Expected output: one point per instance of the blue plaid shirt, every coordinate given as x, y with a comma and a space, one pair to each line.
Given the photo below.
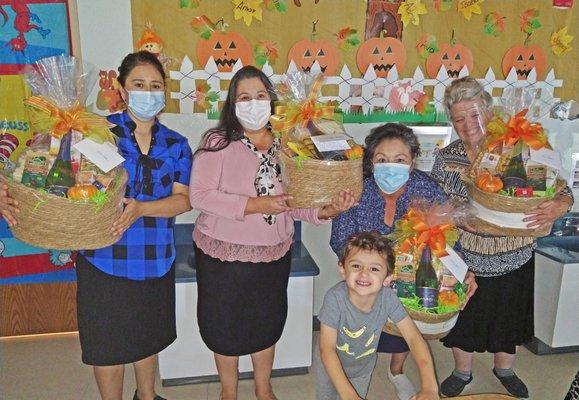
147, 248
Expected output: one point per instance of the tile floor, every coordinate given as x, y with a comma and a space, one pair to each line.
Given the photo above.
49, 368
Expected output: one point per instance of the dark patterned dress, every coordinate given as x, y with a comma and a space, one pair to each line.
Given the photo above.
499, 316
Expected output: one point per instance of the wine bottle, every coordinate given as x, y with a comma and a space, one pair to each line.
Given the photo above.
515, 175
426, 281
60, 177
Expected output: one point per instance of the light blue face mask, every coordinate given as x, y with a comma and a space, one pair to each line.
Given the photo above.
146, 105
391, 176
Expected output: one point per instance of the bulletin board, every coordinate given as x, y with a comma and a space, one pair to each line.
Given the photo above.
417, 34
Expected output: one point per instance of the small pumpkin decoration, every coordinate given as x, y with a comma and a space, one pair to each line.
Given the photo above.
382, 53
453, 56
305, 52
226, 47
489, 183
354, 153
81, 192
523, 59
448, 298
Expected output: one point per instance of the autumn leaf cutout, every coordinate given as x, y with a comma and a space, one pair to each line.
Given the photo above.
203, 25
411, 10
469, 7
203, 96
529, 21
427, 45
560, 41
494, 24
276, 5
189, 3
265, 51
247, 10
442, 5
347, 38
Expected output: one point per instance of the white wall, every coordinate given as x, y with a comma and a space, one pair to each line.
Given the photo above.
106, 37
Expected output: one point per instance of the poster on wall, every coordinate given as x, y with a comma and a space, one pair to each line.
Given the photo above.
31, 30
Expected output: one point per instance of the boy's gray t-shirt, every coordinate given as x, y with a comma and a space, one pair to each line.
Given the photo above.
359, 332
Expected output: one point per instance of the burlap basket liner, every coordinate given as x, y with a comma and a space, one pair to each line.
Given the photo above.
313, 183
54, 222
509, 204
427, 318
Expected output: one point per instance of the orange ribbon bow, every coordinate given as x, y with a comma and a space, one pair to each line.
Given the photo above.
517, 128
424, 235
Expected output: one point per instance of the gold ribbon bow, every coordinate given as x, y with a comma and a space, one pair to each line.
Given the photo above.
516, 129
417, 233
290, 115
47, 117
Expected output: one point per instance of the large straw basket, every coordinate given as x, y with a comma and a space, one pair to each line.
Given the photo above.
313, 183
53, 222
502, 215
432, 326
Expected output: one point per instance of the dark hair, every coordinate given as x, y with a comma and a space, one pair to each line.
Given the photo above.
134, 60
370, 241
388, 132
229, 129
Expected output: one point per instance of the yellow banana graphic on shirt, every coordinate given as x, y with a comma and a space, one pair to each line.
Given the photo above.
369, 342
354, 335
366, 353
345, 348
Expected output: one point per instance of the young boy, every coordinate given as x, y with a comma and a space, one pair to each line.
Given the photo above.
352, 317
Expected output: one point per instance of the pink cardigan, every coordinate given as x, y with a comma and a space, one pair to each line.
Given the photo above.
221, 183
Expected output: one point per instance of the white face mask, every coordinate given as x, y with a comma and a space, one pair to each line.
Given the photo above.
146, 105
253, 115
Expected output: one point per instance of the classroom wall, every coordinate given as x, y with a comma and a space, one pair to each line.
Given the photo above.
105, 32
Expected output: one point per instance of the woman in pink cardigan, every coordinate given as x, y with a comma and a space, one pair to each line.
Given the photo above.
244, 234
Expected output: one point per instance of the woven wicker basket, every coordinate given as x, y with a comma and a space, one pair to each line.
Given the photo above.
508, 204
53, 222
445, 323
313, 183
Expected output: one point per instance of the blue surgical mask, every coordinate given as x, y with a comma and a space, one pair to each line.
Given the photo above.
391, 176
146, 105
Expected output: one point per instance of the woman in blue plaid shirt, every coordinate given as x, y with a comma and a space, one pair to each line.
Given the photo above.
126, 292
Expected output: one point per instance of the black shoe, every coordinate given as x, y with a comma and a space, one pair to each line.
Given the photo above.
514, 385
453, 385
135, 397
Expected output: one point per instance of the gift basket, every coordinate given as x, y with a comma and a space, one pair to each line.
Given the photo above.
515, 170
428, 274
317, 158
65, 200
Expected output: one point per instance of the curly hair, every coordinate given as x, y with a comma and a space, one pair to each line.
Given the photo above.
466, 89
370, 241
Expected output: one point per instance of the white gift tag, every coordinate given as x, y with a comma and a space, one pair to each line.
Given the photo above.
547, 157
331, 142
455, 264
103, 155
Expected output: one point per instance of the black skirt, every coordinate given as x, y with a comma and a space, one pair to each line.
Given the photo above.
499, 316
121, 320
241, 306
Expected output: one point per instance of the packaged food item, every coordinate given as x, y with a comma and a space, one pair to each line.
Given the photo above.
36, 165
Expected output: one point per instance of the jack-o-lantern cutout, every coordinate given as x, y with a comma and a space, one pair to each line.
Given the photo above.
226, 48
304, 53
524, 58
453, 56
383, 54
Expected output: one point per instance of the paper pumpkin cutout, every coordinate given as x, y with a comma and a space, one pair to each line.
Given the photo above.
225, 48
382, 54
453, 56
524, 58
305, 52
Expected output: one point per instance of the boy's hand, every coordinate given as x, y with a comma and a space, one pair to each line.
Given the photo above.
426, 395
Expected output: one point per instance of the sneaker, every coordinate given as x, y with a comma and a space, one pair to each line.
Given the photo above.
404, 388
135, 397
514, 385
453, 385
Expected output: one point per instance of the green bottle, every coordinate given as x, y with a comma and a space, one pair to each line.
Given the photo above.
515, 175
60, 177
426, 281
